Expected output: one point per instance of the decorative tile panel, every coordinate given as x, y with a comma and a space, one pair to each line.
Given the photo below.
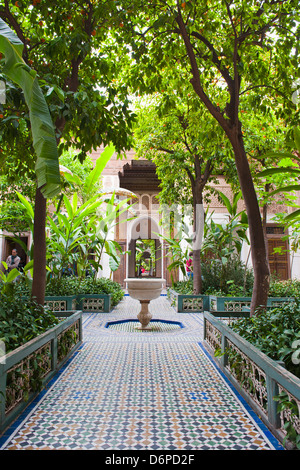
190, 304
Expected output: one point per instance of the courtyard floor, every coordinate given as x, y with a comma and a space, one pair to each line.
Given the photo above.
130, 390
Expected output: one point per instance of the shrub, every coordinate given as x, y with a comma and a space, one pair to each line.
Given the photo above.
21, 321
183, 287
73, 286
233, 278
289, 288
277, 334
102, 286
274, 332
238, 280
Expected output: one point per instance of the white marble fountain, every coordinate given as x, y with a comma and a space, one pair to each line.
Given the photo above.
144, 290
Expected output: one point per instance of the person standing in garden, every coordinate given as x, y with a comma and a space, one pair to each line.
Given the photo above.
13, 260
189, 266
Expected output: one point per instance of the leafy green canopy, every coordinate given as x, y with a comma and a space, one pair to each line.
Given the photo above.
44, 142
252, 42
176, 132
70, 45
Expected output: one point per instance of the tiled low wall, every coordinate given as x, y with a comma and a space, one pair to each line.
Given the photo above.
85, 302
185, 303
188, 303
27, 369
257, 377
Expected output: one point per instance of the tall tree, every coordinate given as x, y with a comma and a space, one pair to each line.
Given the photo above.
234, 47
42, 130
180, 137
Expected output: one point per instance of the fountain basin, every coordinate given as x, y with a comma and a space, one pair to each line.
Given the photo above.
145, 288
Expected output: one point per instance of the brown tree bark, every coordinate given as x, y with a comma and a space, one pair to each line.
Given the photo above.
39, 249
258, 246
232, 127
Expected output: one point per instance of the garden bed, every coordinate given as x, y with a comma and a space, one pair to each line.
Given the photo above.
188, 303
27, 369
61, 303
71, 293
74, 286
271, 390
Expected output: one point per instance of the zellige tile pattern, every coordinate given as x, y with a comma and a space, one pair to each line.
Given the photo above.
133, 390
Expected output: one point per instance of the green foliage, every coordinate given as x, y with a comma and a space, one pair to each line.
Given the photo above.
79, 237
66, 342
288, 288
79, 231
225, 239
8, 277
178, 256
69, 161
72, 285
13, 180
286, 404
229, 279
44, 141
72, 51
289, 170
235, 280
274, 332
183, 287
90, 184
22, 320
185, 153
68, 243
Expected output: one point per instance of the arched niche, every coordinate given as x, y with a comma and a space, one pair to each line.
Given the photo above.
145, 248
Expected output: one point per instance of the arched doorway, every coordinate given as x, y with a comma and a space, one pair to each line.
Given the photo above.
145, 247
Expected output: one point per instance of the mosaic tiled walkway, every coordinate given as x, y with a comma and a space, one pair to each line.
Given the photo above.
132, 390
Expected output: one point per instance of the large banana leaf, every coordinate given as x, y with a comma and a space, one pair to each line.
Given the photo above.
99, 167
43, 134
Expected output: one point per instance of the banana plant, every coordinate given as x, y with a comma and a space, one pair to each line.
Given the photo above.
6, 280
10, 276
82, 231
176, 252
67, 240
110, 218
90, 185
44, 142
224, 239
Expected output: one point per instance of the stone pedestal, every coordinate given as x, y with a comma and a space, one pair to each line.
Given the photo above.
144, 316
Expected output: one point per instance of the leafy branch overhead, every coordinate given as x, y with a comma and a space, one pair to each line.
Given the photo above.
44, 141
292, 171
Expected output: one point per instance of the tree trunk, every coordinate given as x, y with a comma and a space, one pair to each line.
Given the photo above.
258, 246
39, 249
197, 242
